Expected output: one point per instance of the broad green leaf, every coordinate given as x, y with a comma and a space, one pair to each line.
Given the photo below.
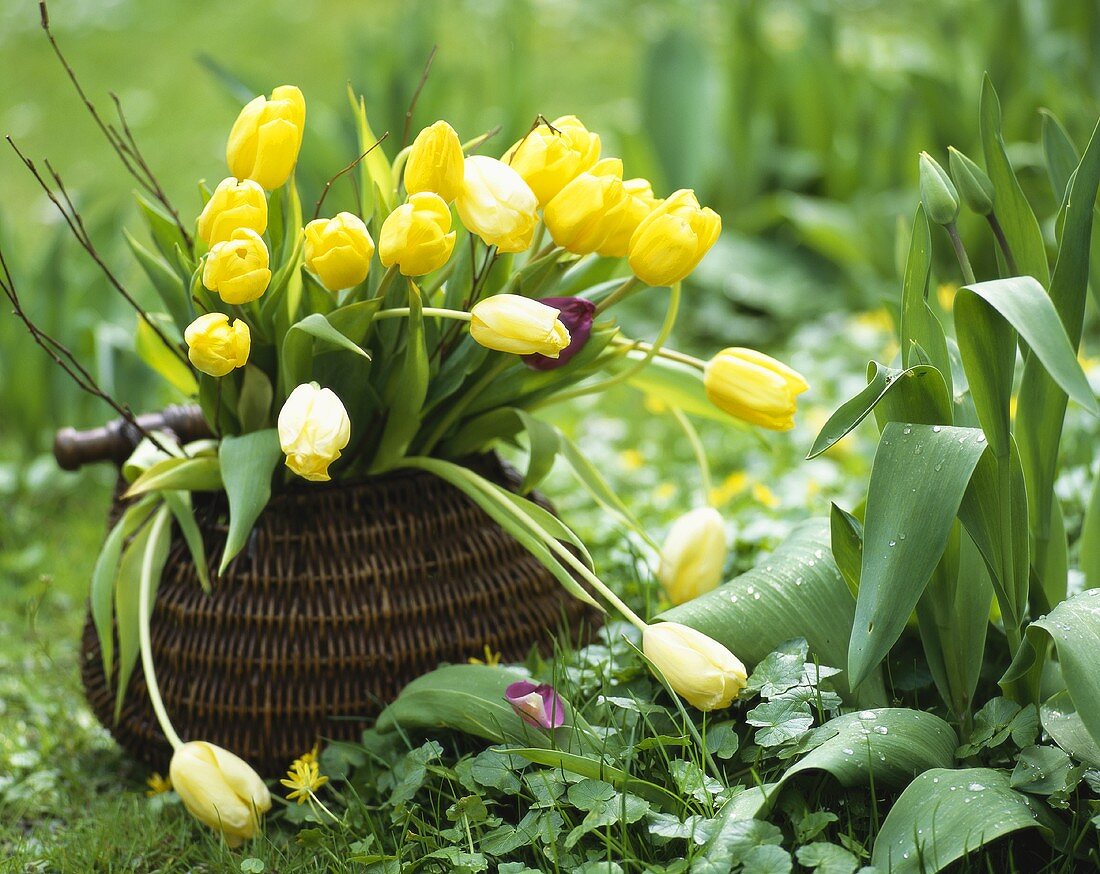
1042, 406
354, 320
200, 474
987, 344
406, 391
1060, 154
254, 401
180, 505
1025, 239
885, 746
247, 464
944, 815
543, 443
922, 392
300, 345
797, 591
1063, 723
918, 266
376, 180
167, 363
163, 228
171, 286
918, 480
846, 538
146, 554
1089, 546
1074, 626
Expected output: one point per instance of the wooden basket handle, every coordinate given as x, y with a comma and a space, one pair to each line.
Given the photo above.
116, 440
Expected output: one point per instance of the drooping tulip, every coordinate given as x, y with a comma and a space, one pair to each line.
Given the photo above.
576, 313
511, 323
754, 387
313, 430
220, 790
698, 668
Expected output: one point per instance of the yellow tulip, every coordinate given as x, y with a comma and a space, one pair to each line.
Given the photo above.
220, 790
510, 323
580, 216
670, 241
237, 268
435, 162
235, 203
313, 429
638, 202
548, 158
339, 250
496, 204
698, 668
214, 346
752, 386
414, 236
693, 555
265, 139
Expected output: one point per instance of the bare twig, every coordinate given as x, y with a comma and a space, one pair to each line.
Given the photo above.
65, 359
73, 219
124, 144
348, 168
540, 119
416, 96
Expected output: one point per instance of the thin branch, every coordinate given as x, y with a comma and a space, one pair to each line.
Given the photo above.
124, 144
348, 168
480, 140
416, 96
65, 359
540, 119
76, 224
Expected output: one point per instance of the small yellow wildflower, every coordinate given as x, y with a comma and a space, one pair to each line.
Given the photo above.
664, 491
304, 779
492, 659
763, 495
945, 293
631, 459
158, 785
730, 488
655, 405
310, 757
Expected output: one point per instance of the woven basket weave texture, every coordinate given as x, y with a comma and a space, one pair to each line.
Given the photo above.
342, 596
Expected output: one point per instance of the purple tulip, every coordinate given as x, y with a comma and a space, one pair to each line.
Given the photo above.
576, 314
537, 704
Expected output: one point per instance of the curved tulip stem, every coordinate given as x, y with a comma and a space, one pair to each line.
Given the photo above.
664, 352
960, 253
623, 291
692, 434
438, 312
145, 598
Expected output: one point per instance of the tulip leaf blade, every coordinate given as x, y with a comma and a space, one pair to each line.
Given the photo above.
169, 284
198, 474
846, 539
300, 345
1063, 723
919, 477
797, 591
945, 814
247, 463
406, 390
180, 505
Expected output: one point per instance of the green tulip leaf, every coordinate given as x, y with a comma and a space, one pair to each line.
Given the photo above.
1063, 723
248, 463
201, 474
944, 815
406, 390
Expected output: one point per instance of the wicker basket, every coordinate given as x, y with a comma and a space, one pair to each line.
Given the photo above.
342, 596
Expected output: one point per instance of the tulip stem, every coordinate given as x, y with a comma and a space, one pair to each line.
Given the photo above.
960, 253
697, 447
618, 294
439, 312
145, 644
670, 354
1002, 241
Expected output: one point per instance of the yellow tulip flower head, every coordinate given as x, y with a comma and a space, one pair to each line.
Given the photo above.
752, 386
551, 156
313, 429
580, 216
496, 204
511, 323
265, 138
219, 789
435, 162
670, 241
237, 268
235, 203
214, 346
638, 202
698, 668
415, 235
339, 250
693, 555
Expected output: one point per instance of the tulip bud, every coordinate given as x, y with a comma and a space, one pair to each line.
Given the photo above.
670, 241
510, 323
579, 216
937, 191
339, 250
220, 790
435, 162
214, 346
313, 428
496, 204
693, 555
234, 204
698, 668
754, 387
576, 314
638, 202
265, 139
551, 156
414, 236
536, 704
237, 268
973, 184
